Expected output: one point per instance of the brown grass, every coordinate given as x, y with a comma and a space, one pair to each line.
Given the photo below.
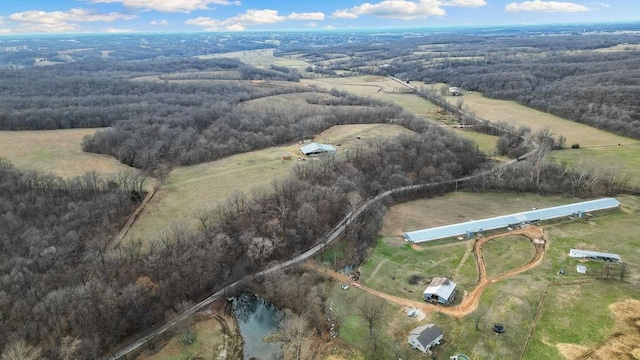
55, 151
518, 115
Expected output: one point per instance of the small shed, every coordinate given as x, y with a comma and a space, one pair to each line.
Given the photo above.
440, 290
581, 269
317, 149
424, 337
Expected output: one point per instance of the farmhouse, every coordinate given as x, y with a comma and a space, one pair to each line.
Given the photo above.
440, 290
424, 337
594, 255
315, 149
470, 228
454, 91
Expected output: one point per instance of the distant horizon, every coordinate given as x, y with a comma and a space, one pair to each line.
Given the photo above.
336, 30
37, 17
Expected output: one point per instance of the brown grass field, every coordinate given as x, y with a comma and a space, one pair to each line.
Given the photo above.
55, 151
189, 189
518, 115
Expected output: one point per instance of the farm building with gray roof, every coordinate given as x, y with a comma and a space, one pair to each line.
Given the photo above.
315, 149
440, 290
470, 228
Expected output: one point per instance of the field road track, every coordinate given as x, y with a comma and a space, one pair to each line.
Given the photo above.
470, 301
317, 248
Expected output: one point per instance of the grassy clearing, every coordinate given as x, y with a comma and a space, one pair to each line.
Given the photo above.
623, 158
486, 143
189, 189
507, 253
260, 58
389, 268
518, 115
56, 151
208, 344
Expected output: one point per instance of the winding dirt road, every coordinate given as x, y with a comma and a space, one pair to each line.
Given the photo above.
471, 299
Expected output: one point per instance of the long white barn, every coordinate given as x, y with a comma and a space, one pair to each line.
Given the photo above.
471, 228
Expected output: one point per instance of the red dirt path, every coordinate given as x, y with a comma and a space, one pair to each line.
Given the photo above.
470, 301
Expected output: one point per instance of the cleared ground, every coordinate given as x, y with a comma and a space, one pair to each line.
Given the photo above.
56, 151
260, 58
517, 115
189, 189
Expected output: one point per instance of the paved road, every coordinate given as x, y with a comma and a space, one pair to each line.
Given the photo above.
321, 244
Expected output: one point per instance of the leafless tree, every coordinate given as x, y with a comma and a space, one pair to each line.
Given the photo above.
295, 333
20, 350
371, 310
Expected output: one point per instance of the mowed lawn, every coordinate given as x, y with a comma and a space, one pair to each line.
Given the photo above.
56, 151
199, 187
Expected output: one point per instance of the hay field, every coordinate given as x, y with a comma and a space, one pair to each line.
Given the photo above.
260, 58
56, 151
518, 115
189, 189
379, 88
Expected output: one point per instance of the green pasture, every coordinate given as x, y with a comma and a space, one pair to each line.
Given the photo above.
389, 268
486, 143
507, 253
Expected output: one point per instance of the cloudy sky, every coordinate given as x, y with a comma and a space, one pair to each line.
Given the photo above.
47, 16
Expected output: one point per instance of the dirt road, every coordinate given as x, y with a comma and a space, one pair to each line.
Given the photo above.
471, 299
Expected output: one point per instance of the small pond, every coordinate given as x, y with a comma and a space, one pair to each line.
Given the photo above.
256, 318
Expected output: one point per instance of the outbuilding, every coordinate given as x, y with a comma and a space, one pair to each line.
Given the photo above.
441, 290
317, 149
424, 337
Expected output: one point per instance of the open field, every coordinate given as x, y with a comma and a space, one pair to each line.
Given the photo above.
260, 58
623, 159
380, 88
507, 253
518, 115
189, 189
486, 143
56, 151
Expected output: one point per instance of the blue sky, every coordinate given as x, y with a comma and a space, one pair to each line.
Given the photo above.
47, 16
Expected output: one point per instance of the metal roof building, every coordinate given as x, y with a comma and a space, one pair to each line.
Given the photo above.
470, 228
594, 255
315, 149
440, 289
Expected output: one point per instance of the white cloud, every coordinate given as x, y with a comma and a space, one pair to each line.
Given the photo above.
306, 16
61, 21
546, 6
74, 15
251, 17
396, 9
170, 6
5, 31
159, 22
117, 30
312, 24
465, 3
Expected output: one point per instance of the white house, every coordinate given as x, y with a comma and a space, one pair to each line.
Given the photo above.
424, 337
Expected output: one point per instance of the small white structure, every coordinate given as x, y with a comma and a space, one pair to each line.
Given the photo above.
424, 337
316, 149
581, 269
454, 91
441, 290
